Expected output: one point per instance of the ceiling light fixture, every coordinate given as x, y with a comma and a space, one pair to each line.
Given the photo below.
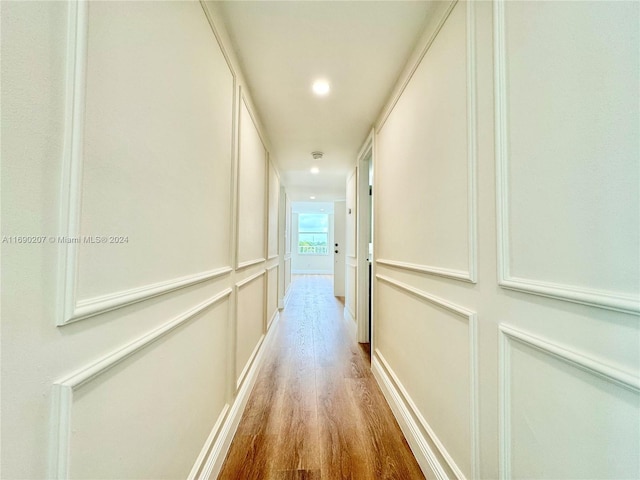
315, 170
321, 87
317, 155
312, 197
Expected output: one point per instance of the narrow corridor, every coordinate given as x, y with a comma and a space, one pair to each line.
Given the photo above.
316, 411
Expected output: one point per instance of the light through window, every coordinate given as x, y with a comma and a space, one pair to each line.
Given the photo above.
313, 234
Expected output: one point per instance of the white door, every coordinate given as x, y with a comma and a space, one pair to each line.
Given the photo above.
339, 218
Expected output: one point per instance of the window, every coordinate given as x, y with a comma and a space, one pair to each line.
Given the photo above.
313, 236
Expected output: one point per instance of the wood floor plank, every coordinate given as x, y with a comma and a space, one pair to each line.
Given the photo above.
316, 411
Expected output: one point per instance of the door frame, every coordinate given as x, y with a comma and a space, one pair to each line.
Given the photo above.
364, 217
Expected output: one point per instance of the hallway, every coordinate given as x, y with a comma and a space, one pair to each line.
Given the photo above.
316, 410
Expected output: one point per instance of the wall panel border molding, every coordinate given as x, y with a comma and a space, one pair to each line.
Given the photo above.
71, 309
64, 389
254, 353
210, 467
408, 407
579, 360
611, 300
255, 261
471, 275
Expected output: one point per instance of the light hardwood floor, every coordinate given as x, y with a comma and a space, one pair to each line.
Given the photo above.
316, 411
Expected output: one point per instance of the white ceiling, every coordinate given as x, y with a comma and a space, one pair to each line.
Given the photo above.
283, 46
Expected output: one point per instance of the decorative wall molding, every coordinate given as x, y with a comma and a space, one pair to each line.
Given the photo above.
579, 360
198, 466
471, 318
398, 94
239, 285
63, 390
218, 452
610, 300
472, 140
249, 263
71, 308
414, 267
420, 447
240, 265
271, 267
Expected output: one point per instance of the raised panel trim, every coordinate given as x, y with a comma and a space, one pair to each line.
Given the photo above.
241, 378
471, 318
212, 439
218, 452
414, 267
64, 389
71, 309
247, 263
610, 300
471, 275
569, 356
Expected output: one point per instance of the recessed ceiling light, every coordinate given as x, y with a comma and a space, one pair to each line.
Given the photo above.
312, 197
321, 87
315, 170
322, 209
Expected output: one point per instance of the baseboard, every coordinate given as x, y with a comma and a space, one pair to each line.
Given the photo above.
311, 272
274, 318
282, 303
209, 465
347, 314
419, 444
351, 324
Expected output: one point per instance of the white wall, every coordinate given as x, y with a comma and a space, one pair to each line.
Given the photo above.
139, 363
508, 340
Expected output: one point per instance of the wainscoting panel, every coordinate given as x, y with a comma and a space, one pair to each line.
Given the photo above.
433, 127
112, 180
427, 346
565, 414
587, 208
252, 184
250, 321
274, 202
100, 412
272, 293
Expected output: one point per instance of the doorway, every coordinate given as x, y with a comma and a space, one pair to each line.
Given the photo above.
365, 242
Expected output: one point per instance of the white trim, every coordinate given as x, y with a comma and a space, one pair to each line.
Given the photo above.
474, 429
249, 263
274, 318
420, 447
576, 359
247, 366
215, 460
394, 99
348, 315
208, 444
611, 300
247, 280
64, 389
71, 309
268, 269
272, 257
105, 303
414, 267
364, 217
239, 285
472, 139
